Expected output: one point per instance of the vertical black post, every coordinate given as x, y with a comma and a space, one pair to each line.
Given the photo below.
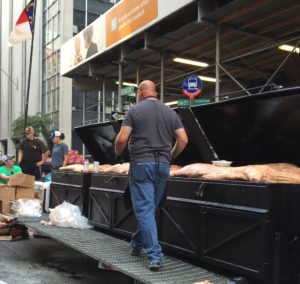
30, 64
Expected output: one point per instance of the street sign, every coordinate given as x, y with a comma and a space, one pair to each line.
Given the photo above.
187, 103
192, 86
128, 90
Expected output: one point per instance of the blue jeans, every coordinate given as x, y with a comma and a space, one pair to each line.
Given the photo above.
147, 183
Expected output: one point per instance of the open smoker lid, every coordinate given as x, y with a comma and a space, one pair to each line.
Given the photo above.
254, 129
99, 139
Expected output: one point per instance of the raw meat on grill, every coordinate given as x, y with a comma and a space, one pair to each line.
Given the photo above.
194, 170
72, 168
276, 172
117, 168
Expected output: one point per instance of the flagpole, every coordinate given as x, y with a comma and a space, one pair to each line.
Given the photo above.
30, 64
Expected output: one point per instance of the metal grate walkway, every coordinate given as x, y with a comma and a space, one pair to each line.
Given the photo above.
115, 254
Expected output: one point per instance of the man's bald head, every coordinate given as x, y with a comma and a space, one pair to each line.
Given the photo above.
146, 89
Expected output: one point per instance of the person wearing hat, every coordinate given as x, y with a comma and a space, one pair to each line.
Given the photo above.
32, 153
59, 151
8, 169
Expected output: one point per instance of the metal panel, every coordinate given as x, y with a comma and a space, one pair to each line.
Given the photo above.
72, 194
237, 239
115, 254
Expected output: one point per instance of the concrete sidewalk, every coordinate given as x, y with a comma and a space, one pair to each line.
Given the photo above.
45, 261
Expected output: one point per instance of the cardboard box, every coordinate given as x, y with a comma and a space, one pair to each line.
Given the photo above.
21, 180
5, 206
7, 194
24, 192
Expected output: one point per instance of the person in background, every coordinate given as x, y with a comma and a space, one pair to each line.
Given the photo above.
8, 169
32, 154
91, 47
151, 127
59, 151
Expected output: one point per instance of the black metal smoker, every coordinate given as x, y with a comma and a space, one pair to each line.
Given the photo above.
244, 227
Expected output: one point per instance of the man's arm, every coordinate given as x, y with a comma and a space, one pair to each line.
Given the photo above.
122, 139
45, 153
181, 142
4, 177
20, 155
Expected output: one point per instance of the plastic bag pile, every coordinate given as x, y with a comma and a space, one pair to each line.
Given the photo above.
27, 207
67, 215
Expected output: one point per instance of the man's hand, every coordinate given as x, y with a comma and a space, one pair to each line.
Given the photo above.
38, 164
2, 225
3, 219
4, 177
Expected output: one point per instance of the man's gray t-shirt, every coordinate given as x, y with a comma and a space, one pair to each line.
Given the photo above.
153, 125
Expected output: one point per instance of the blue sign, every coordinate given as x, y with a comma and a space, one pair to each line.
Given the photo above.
192, 86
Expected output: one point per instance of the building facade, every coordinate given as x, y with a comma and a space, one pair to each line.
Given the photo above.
50, 94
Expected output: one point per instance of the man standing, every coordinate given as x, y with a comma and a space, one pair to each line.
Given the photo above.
151, 126
32, 154
8, 169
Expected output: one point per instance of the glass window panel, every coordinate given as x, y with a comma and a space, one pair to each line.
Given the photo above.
55, 120
97, 8
49, 85
92, 18
79, 19
54, 101
79, 4
44, 109
55, 26
58, 62
54, 63
50, 30
56, 44
58, 97
54, 83
49, 103
49, 66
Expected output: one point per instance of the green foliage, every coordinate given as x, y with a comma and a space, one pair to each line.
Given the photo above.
41, 125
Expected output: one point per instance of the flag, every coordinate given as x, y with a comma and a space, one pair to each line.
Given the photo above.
24, 26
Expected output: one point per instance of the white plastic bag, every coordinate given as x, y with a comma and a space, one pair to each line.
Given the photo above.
67, 215
27, 207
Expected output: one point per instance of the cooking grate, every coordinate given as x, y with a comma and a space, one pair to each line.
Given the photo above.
115, 254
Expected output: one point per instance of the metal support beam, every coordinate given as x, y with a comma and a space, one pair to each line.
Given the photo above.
120, 107
217, 86
279, 67
103, 100
98, 106
162, 76
137, 78
83, 117
235, 80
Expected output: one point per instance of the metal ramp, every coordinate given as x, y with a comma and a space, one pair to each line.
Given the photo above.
113, 253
